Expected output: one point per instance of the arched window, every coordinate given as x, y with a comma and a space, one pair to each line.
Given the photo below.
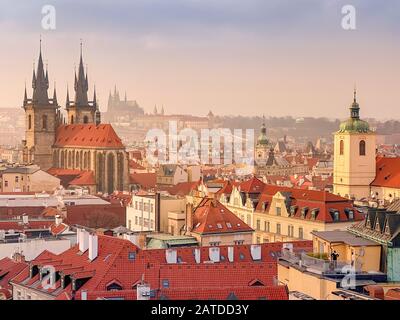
341, 146
85, 119
30, 122
72, 119
44, 122
362, 148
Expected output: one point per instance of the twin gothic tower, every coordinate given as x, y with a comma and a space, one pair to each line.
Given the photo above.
43, 115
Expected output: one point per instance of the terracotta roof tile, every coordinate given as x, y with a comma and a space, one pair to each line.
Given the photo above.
87, 135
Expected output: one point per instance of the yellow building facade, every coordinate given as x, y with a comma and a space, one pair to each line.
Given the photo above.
354, 156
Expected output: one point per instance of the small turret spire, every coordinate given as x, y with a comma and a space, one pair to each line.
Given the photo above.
94, 97
55, 95
25, 96
67, 100
355, 93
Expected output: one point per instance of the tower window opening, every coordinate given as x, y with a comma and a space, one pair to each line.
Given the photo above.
362, 148
44, 122
341, 147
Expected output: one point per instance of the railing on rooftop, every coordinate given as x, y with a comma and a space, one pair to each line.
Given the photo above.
320, 266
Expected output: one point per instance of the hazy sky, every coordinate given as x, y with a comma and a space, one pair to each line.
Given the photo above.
249, 57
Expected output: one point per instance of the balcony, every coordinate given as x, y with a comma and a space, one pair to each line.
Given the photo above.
319, 264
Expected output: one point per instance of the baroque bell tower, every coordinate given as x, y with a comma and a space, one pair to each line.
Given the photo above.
354, 156
42, 117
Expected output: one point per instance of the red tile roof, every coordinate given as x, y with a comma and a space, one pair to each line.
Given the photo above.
19, 226
183, 188
213, 217
121, 262
136, 166
74, 177
9, 268
254, 185
58, 229
84, 179
241, 293
87, 135
300, 199
146, 180
387, 173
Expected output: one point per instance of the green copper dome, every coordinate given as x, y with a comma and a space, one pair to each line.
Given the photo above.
262, 138
354, 123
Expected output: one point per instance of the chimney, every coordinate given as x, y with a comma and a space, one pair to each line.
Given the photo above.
84, 295
157, 211
214, 200
58, 220
230, 253
78, 235
83, 241
171, 256
25, 218
376, 292
93, 246
197, 253
189, 217
255, 251
143, 291
214, 254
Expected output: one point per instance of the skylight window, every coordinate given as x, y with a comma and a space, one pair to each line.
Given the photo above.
228, 224
219, 226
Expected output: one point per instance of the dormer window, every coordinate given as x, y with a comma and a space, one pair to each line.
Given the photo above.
349, 213
334, 214
304, 212
314, 213
114, 286
292, 210
387, 229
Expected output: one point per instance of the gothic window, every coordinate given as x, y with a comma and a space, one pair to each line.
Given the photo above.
30, 122
85, 119
362, 148
44, 122
72, 119
341, 146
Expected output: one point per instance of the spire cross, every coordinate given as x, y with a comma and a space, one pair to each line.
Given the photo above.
355, 93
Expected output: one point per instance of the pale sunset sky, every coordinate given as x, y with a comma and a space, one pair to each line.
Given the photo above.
247, 57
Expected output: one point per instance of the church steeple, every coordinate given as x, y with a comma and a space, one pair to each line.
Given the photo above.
81, 84
40, 83
355, 107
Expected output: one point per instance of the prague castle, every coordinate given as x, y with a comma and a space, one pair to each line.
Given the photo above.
80, 149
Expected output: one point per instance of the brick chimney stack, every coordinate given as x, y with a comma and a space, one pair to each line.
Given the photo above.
189, 217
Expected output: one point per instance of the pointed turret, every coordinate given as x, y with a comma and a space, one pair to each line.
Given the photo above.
25, 97
162, 110
67, 100
155, 109
94, 97
55, 96
81, 85
40, 83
